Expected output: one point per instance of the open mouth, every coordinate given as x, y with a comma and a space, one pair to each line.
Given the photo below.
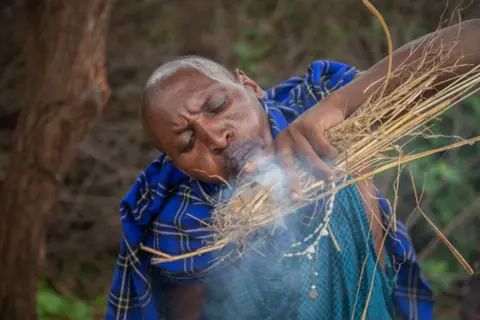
237, 155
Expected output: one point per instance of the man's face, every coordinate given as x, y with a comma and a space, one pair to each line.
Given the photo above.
200, 122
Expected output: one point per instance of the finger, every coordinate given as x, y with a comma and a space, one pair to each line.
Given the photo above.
321, 145
253, 164
284, 150
303, 146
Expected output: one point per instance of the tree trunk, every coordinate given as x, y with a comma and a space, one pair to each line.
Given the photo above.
66, 89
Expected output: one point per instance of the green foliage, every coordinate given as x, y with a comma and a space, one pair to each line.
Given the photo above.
52, 305
436, 271
474, 104
449, 183
252, 47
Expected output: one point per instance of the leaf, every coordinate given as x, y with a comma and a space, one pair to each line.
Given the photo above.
435, 271
474, 104
80, 311
48, 302
437, 268
447, 172
241, 49
99, 302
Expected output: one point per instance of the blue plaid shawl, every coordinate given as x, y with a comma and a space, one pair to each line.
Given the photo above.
158, 210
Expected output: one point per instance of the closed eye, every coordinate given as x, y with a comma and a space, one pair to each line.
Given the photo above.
190, 144
218, 105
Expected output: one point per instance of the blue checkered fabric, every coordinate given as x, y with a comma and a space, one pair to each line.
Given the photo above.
164, 209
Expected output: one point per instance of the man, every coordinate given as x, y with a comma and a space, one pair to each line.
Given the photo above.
198, 114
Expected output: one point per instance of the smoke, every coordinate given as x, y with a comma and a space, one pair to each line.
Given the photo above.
264, 273
269, 176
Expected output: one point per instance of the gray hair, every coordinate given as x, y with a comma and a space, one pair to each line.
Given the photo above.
209, 68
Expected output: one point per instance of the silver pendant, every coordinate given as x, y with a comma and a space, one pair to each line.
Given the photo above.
313, 294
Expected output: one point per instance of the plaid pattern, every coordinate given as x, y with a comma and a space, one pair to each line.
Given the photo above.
163, 210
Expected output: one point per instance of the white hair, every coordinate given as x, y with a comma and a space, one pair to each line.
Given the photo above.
209, 68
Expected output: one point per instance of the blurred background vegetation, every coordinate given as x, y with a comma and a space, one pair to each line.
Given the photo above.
270, 40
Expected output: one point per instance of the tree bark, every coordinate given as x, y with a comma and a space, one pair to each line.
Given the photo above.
66, 89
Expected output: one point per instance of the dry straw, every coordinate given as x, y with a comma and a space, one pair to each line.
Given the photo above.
370, 140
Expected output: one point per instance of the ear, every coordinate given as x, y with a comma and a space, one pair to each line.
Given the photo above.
249, 83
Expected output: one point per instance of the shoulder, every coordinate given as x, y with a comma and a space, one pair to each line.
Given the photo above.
330, 73
320, 78
162, 188
159, 179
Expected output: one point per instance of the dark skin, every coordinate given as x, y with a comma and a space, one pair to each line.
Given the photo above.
197, 130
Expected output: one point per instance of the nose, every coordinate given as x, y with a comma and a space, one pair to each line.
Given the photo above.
216, 138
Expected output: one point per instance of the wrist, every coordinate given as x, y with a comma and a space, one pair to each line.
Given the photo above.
350, 97
336, 102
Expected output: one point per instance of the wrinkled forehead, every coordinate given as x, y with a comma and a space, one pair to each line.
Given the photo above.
184, 87
182, 84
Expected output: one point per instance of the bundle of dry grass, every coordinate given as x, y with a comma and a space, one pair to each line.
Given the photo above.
369, 139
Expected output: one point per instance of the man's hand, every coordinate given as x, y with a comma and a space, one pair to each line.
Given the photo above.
305, 140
